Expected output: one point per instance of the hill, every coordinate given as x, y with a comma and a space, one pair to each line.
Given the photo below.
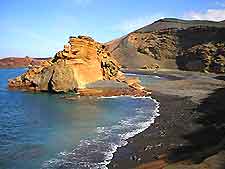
173, 43
19, 62
169, 23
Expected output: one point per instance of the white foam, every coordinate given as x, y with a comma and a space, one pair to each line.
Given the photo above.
126, 96
100, 129
124, 137
109, 97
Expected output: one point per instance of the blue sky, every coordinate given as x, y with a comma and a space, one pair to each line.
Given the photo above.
39, 28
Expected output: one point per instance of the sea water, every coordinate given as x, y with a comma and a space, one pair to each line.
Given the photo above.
46, 131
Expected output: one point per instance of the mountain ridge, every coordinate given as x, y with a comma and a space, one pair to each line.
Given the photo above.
181, 23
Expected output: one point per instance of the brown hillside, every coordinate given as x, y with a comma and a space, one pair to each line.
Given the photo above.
16, 62
173, 43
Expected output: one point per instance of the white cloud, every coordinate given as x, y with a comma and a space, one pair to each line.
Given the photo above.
130, 25
210, 14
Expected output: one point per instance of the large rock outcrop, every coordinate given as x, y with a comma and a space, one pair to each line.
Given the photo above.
205, 57
168, 42
81, 62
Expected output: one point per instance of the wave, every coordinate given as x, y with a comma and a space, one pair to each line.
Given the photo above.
97, 152
127, 96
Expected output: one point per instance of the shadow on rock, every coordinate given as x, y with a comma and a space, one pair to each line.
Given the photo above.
209, 139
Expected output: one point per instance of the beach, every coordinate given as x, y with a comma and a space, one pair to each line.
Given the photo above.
180, 136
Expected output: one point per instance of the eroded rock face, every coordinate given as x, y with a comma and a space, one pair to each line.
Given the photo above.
206, 57
81, 62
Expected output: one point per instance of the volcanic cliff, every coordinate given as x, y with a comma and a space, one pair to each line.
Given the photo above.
174, 44
81, 62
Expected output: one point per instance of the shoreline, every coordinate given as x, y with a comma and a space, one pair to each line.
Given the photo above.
132, 134
137, 150
179, 102
179, 98
127, 136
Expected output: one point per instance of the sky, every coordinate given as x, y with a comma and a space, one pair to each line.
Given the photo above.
40, 28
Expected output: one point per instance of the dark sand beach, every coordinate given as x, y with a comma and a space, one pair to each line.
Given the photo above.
190, 132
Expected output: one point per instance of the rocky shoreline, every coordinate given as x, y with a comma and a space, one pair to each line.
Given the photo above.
177, 139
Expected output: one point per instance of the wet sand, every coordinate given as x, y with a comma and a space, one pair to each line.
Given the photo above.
190, 132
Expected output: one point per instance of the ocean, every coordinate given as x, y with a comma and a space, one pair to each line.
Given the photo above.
46, 131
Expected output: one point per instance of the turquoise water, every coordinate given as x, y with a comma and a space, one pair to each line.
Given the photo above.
43, 131
145, 79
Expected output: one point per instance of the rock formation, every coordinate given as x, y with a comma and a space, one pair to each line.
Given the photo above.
205, 57
172, 43
81, 62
